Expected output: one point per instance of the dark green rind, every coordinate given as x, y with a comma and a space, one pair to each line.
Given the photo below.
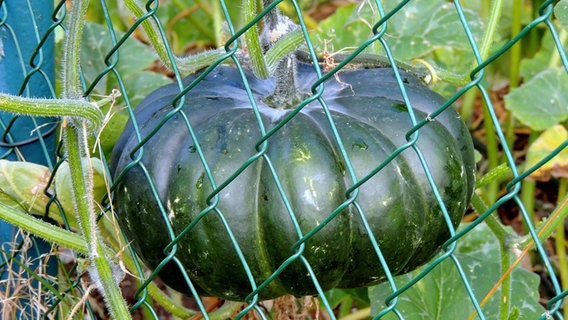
397, 202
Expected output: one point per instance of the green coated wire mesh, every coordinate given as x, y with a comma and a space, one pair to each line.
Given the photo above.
124, 47
27, 68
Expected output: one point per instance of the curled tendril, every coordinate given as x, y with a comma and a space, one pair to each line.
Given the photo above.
433, 73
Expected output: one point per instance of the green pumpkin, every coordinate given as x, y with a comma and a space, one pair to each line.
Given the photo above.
372, 120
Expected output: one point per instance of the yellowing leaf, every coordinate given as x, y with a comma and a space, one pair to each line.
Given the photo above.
548, 141
23, 186
64, 187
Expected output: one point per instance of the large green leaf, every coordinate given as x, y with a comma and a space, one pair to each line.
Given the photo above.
134, 59
424, 26
340, 30
188, 24
506, 16
561, 12
96, 44
442, 293
542, 101
419, 30
542, 59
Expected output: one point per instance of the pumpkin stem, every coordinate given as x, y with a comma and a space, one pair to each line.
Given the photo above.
286, 94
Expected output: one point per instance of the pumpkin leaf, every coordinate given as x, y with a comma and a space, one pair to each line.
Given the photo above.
546, 143
339, 31
541, 60
24, 185
337, 296
135, 57
418, 30
561, 12
63, 185
411, 35
442, 292
542, 101
188, 23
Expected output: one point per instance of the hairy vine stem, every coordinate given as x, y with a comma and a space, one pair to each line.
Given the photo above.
81, 118
77, 108
75, 142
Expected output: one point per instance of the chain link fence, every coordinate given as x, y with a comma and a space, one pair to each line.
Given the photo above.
124, 47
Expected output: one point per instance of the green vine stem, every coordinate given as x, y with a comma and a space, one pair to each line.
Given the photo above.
262, 66
42, 229
515, 64
493, 159
492, 188
188, 64
75, 142
103, 272
561, 243
283, 47
112, 236
252, 40
534, 36
217, 17
528, 189
53, 108
484, 49
500, 173
77, 243
279, 38
468, 102
72, 50
485, 7
506, 287
504, 237
555, 61
492, 24
547, 227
